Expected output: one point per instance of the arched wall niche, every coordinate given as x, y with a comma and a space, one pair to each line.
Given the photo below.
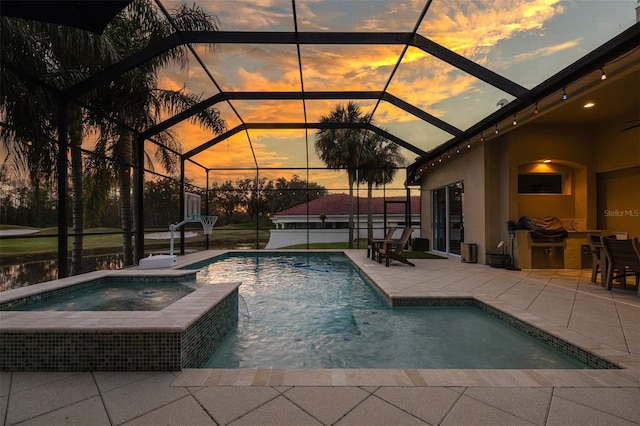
553, 187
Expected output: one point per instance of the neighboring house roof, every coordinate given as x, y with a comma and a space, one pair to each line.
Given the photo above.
338, 204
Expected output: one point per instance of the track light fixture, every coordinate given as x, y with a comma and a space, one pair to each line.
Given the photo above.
496, 131
603, 76
535, 110
514, 120
564, 94
481, 137
458, 150
468, 145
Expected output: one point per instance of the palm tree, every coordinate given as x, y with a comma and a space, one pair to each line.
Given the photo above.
378, 166
63, 56
59, 56
79, 124
27, 109
135, 102
340, 148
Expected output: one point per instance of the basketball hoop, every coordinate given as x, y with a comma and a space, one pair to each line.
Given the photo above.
207, 223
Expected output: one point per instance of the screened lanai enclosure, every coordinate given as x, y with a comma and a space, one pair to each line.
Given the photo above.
260, 107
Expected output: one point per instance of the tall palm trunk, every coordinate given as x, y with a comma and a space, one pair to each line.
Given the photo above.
123, 154
36, 202
126, 213
77, 201
134, 201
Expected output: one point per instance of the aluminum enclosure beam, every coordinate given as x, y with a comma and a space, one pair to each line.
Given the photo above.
222, 97
625, 42
288, 126
318, 38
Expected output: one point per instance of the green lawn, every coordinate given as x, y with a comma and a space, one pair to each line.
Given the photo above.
224, 237
44, 244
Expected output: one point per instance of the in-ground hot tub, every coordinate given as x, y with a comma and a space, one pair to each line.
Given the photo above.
179, 335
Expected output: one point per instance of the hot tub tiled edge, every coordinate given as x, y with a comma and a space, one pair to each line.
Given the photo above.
179, 336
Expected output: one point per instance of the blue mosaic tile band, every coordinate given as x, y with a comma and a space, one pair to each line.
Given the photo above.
586, 357
97, 351
202, 338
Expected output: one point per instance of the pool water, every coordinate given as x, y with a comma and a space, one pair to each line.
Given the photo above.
120, 295
317, 311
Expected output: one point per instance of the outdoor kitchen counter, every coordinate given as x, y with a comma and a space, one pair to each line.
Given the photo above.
573, 247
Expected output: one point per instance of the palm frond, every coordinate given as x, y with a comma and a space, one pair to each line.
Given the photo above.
99, 177
380, 160
165, 157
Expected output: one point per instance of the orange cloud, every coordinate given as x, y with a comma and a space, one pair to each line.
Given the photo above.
466, 26
254, 14
473, 29
547, 51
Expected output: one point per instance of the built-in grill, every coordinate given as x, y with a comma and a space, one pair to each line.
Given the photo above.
547, 229
546, 240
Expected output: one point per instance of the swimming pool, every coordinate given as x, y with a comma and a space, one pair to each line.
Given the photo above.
317, 310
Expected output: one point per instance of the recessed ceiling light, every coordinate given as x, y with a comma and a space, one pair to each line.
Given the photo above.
589, 105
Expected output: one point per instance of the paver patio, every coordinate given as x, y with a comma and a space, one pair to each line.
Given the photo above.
562, 300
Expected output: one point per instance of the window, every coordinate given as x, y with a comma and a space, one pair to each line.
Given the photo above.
540, 183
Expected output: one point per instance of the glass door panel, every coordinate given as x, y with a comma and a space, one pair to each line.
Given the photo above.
448, 218
440, 219
456, 225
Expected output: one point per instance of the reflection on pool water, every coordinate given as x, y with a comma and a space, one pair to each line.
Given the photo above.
317, 311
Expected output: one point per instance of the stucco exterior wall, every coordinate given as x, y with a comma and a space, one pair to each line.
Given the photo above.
615, 149
599, 161
468, 168
606, 174
617, 163
570, 150
619, 201
498, 185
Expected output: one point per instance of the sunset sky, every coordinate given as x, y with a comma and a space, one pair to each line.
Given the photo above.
526, 41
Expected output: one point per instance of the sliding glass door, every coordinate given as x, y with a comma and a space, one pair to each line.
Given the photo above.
456, 224
439, 219
448, 223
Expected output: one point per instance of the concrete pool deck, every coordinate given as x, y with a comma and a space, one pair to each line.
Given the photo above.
563, 301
